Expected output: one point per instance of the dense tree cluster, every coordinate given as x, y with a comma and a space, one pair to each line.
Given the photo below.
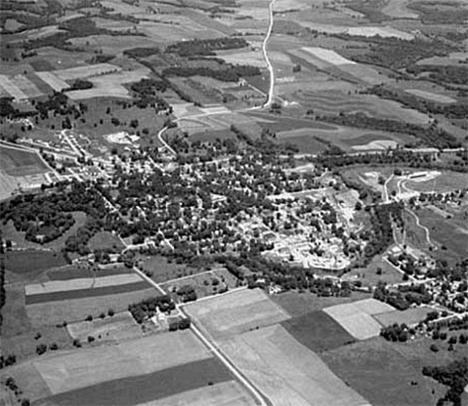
395, 332
454, 375
147, 307
206, 47
141, 52
146, 93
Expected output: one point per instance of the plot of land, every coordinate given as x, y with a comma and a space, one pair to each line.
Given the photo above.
53, 81
23, 262
18, 162
439, 98
236, 312
52, 313
82, 72
286, 371
409, 316
86, 367
318, 331
328, 56
356, 317
379, 373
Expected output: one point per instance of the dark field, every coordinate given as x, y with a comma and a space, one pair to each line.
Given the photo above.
376, 370
81, 293
145, 388
318, 331
20, 163
23, 262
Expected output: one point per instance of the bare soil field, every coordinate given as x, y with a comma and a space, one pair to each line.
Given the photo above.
286, 371
52, 313
299, 304
18, 162
236, 312
66, 371
357, 319
376, 370
150, 387
317, 331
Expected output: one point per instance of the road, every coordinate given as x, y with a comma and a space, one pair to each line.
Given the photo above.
269, 99
260, 399
162, 141
426, 230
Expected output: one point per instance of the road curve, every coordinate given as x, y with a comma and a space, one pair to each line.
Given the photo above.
162, 141
259, 398
269, 99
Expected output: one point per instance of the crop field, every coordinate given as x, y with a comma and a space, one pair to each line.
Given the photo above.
119, 327
376, 370
72, 272
304, 140
236, 312
409, 316
52, 313
112, 45
225, 393
17, 162
356, 317
286, 371
86, 71
397, 9
51, 58
317, 331
299, 304
438, 98
9, 87
53, 80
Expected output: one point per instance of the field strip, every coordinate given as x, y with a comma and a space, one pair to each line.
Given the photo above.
73, 370
26, 86
11, 88
86, 71
84, 283
53, 81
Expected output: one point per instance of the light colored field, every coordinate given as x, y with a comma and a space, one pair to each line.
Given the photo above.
328, 56
110, 85
439, 98
384, 32
376, 145
409, 316
237, 312
356, 318
82, 72
26, 86
119, 327
82, 283
78, 309
53, 81
229, 393
397, 9
11, 88
77, 369
243, 57
287, 372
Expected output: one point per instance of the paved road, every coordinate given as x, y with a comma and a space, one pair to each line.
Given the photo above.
269, 99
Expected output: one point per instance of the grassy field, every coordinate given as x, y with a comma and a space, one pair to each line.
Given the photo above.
380, 373
377, 270
161, 270
356, 318
83, 271
317, 331
105, 240
445, 182
16, 162
286, 371
32, 261
299, 304
52, 313
236, 312
410, 316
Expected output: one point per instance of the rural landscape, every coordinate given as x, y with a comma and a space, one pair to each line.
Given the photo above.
234, 203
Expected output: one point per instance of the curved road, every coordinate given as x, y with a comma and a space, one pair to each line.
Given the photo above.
269, 99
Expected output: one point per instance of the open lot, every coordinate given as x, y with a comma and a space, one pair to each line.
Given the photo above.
18, 162
236, 312
317, 331
356, 317
286, 371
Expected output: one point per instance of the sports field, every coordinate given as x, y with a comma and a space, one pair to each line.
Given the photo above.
236, 312
286, 371
19, 162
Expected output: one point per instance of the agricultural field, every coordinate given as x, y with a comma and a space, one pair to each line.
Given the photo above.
236, 312
160, 269
356, 318
20, 162
410, 316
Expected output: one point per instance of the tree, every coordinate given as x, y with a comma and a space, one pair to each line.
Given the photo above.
41, 349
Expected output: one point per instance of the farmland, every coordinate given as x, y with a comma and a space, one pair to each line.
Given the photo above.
19, 162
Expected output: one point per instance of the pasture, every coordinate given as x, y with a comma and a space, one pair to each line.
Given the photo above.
444, 183
236, 312
32, 261
356, 317
286, 371
438, 98
161, 270
376, 370
410, 316
317, 331
19, 162
105, 240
